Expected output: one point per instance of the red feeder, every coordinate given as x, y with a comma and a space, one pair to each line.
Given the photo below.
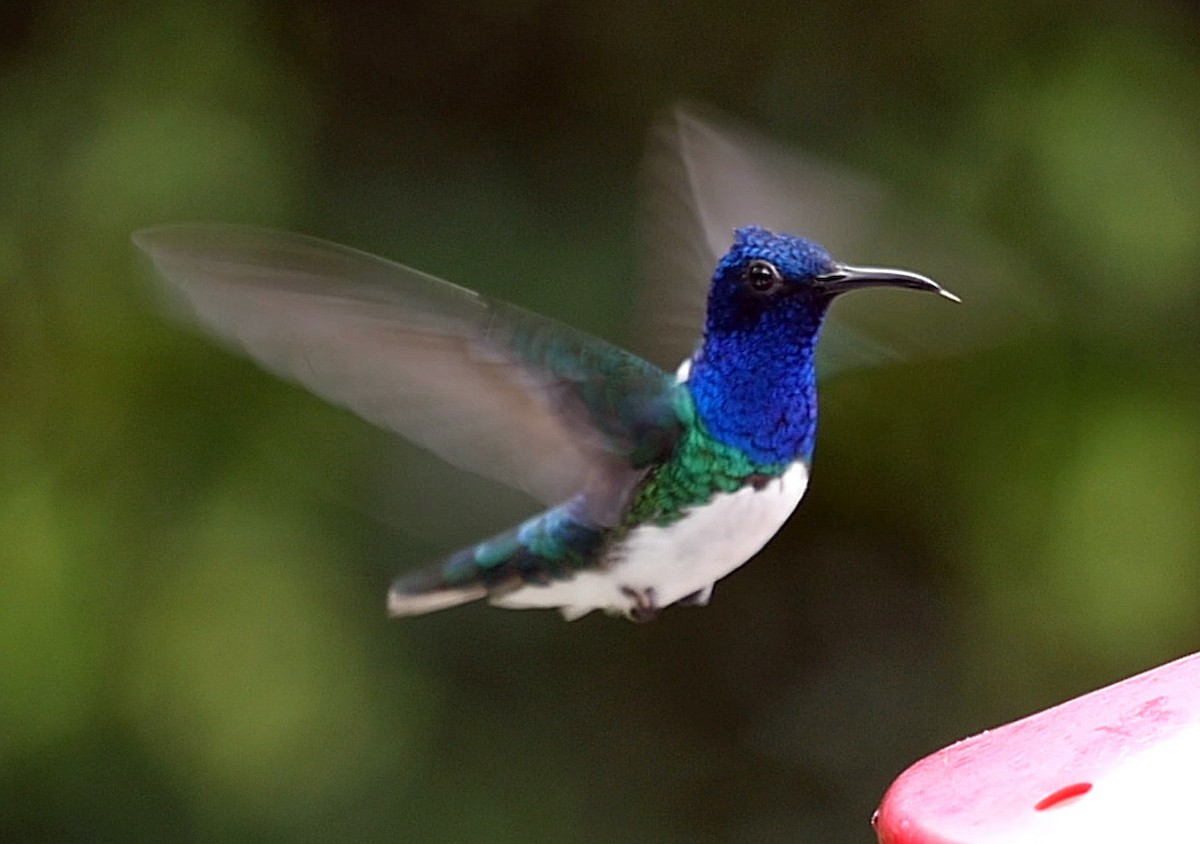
1121, 764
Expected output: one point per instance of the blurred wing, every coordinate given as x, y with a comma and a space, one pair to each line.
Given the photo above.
706, 177
485, 385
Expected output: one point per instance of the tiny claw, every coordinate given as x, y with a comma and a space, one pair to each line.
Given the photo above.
944, 292
645, 606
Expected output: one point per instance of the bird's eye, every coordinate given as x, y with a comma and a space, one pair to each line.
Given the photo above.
762, 276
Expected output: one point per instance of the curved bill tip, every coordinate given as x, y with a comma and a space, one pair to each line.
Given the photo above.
845, 278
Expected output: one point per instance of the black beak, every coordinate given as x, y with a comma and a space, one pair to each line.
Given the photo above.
844, 279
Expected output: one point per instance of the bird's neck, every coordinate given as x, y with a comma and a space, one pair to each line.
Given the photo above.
755, 388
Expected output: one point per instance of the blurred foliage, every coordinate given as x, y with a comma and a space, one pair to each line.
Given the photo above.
193, 556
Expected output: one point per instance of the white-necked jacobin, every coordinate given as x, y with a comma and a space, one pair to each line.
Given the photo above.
660, 483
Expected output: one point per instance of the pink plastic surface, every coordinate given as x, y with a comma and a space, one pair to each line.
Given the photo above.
1119, 764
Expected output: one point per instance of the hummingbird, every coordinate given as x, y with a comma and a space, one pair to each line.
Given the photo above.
658, 483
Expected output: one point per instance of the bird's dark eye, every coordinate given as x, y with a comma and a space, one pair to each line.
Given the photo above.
762, 276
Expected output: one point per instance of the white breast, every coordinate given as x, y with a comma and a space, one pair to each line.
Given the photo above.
674, 561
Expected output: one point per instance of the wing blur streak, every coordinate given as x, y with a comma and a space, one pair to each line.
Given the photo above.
706, 176
485, 385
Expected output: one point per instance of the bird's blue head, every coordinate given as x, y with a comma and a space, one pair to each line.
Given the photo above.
763, 273
754, 380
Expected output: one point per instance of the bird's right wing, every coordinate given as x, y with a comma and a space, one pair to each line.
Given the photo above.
485, 385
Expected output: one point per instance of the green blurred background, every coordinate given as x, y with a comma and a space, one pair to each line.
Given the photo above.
193, 555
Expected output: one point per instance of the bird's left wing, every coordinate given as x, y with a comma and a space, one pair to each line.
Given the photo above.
706, 175
485, 385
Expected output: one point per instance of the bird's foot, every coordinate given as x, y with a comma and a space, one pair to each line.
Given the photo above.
758, 481
645, 607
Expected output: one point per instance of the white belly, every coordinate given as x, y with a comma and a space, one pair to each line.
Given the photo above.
686, 556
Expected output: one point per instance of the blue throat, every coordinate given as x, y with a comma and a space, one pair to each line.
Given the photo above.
754, 379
